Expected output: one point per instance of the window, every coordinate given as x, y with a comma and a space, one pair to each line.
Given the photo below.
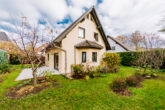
81, 32
83, 57
94, 56
96, 36
91, 18
48, 57
88, 16
113, 48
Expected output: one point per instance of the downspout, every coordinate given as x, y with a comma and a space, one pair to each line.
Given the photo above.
74, 55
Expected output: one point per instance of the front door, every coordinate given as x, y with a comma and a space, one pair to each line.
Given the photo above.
56, 62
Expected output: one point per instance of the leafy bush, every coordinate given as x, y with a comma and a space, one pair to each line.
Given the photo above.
118, 84
132, 81
128, 58
14, 59
111, 61
4, 68
3, 56
78, 71
138, 75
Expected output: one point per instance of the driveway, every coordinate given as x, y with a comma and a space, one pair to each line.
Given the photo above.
27, 73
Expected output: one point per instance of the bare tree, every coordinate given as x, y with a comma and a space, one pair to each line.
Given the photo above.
136, 39
153, 53
123, 39
28, 38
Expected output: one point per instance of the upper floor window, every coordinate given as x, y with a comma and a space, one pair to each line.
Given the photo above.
81, 32
94, 56
113, 48
83, 57
88, 16
96, 36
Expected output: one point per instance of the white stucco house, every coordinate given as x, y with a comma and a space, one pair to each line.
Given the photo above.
83, 42
118, 46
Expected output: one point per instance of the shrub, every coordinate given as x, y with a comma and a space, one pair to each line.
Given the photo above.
138, 75
78, 71
3, 57
14, 59
118, 84
111, 60
132, 81
128, 58
4, 68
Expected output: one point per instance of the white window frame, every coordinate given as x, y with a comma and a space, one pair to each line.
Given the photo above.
81, 32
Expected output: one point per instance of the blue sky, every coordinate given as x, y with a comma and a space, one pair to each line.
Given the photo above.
118, 17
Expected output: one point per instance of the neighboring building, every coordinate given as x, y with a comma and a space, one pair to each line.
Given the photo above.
83, 42
3, 37
118, 46
7, 45
39, 50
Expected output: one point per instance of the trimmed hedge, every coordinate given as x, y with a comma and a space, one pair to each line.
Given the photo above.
128, 58
3, 57
14, 59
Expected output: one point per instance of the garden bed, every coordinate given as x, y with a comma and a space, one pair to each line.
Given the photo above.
120, 85
26, 87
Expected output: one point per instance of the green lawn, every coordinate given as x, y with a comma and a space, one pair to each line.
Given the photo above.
93, 94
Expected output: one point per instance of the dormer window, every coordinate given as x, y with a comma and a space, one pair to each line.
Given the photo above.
88, 16
96, 36
81, 32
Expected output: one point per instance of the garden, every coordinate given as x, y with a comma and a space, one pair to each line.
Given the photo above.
109, 86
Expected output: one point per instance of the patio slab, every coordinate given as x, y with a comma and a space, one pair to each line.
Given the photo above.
27, 73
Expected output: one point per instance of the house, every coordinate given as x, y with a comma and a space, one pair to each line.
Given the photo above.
4, 41
118, 46
4, 37
7, 45
39, 50
83, 42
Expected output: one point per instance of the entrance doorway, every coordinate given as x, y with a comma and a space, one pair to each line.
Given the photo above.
56, 61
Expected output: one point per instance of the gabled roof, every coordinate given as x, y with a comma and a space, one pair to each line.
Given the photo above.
88, 44
126, 47
3, 37
92, 11
40, 48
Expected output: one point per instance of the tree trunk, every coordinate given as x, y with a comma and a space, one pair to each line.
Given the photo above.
34, 78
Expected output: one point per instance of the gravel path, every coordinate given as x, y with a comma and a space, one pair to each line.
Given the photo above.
27, 73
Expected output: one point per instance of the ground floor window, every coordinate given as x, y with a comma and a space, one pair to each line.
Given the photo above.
94, 56
83, 57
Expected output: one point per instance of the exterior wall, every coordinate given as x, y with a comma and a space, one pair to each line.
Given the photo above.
72, 39
74, 55
61, 59
117, 46
88, 56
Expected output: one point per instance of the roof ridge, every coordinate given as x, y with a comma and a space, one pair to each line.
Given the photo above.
121, 43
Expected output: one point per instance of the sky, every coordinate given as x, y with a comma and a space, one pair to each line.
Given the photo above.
118, 17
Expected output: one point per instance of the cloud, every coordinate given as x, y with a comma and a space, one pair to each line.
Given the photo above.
118, 17
122, 17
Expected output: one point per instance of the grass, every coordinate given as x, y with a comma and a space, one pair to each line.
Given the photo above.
93, 94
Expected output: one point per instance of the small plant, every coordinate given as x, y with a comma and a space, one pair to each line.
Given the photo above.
4, 68
118, 85
111, 61
78, 71
132, 81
